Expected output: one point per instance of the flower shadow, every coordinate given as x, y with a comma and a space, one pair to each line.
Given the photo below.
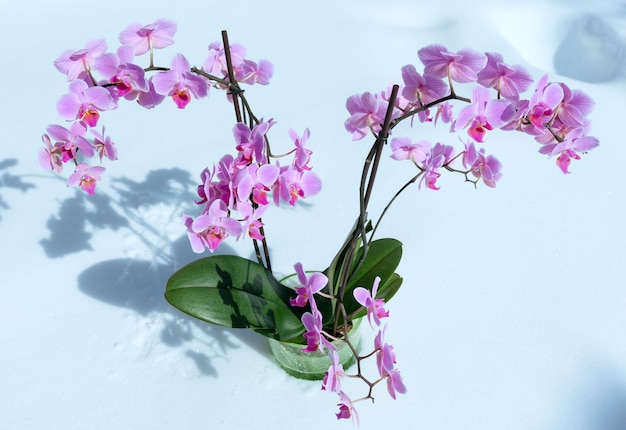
147, 216
8, 180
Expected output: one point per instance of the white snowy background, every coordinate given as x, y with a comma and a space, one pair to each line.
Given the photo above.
513, 310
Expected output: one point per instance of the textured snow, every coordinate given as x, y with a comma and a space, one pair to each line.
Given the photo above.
513, 310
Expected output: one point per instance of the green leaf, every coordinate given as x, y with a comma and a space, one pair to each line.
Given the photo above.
382, 259
231, 291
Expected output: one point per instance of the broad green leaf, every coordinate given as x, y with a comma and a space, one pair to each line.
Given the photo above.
231, 291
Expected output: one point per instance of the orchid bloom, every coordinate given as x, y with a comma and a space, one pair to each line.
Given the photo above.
69, 142
85, 103
367, 113
85, 177
215, 64
308, 287
422, 89
439, 156
303, 155
145, 38
386, 361
543, 103
50, 156
75, 64
482, 166
574, 143
180, 83
211, 228
315, 339
118, 68
334, 374
256, 73
484, 113
257, 181
104, 146
293, 185
375, 307
346, 409
462, 66
403, 149
509, 81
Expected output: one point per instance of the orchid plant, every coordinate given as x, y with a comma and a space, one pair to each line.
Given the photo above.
237, 190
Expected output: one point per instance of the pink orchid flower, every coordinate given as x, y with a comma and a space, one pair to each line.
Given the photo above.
75, 64
367, 112
145, 38
403, 149
211, 228
542, 105
118, 68
85, 103
484, 113
509, 81
309, 285
422, 89
485, 167
180, 83
85, 177
462, 66
334, 374
375, 307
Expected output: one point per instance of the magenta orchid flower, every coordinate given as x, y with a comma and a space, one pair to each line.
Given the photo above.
303, 155
308, 287
85, 177
422, 89
576, 105
375, 307
118, 68
346, 409
70, 141
211, 228
256, 181
251, 72
51, 156
462, 66
76, 64
252, 219
104, 146
542, 105
145, 38
315, 339
367, 112
251, 143
180, 83
386, 362
85, 103
403, 149
334, 374
215, 64
484, 113
150, 99
574, 143
293, 185
439, 156
508, 81
482, 166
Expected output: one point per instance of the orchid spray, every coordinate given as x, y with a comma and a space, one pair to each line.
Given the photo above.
236, 191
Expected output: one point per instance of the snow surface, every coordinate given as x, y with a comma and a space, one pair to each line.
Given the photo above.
513, 310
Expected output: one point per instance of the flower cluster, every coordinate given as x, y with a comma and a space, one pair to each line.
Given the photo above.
317, 338
555, 115
244, 185
99, 80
